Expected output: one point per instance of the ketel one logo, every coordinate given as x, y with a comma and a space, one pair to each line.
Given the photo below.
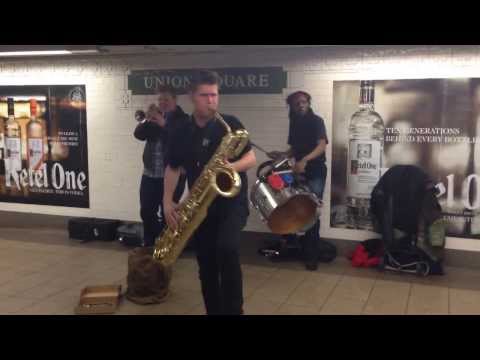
364, 151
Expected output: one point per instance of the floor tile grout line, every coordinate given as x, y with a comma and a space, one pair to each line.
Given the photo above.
280, 304
340, 278
448, 299
293, 291
25, 290
310, 279
258, 286
46, 298
277, 308
368, 297
38, 303
299, 284
405, 310
409, 297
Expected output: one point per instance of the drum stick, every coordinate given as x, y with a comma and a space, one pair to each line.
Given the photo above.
258, 147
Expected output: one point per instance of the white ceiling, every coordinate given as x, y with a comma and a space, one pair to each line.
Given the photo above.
143, 49
190, 48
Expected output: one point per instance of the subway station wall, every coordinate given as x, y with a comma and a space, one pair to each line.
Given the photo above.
114, 155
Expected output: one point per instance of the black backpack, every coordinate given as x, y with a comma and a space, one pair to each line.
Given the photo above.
406, 192
130, 234
327, 252
405, 196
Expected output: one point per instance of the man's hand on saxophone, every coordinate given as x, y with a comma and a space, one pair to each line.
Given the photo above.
169, 206
171, 215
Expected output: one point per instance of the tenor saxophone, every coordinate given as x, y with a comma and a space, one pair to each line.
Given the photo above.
217, 178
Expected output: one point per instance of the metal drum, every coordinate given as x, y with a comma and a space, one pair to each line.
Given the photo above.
291, 210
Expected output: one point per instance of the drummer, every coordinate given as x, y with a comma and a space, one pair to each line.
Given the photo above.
308, 141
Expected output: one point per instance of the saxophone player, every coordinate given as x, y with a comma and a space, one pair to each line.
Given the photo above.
216, 240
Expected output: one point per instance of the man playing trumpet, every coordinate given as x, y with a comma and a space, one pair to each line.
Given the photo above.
155, 128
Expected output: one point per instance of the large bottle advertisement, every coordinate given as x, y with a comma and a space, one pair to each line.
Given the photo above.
43, 145
430, 123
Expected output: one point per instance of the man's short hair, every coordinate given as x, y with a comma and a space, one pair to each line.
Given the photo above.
204, 77
162, 89
292, 96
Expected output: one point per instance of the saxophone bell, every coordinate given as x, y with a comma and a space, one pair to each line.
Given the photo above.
226, 182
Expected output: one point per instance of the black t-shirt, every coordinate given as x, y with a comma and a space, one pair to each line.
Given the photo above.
304, 135
175, 121
192, 147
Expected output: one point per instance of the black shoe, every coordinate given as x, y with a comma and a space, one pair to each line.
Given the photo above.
436, 268
311, 265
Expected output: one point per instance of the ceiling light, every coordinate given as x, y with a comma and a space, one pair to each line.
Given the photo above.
35, 53
89, 51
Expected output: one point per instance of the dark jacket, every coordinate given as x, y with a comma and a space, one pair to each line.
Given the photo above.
406, 193
151, 133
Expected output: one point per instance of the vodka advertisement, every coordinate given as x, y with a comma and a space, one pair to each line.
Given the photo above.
430, 123
43, 145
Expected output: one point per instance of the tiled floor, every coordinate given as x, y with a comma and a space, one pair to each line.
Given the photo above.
42, 272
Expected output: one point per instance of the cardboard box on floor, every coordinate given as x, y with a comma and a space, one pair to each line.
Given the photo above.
98, 300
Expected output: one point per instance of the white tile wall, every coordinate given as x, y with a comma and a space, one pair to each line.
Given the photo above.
115, 156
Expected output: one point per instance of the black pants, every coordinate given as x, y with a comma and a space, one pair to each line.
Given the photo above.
311, 239
217, 243
309, 243
151, 197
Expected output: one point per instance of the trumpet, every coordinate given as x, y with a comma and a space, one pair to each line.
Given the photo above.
152, 111
140, 115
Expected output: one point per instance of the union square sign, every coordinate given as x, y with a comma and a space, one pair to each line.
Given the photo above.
253, 80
